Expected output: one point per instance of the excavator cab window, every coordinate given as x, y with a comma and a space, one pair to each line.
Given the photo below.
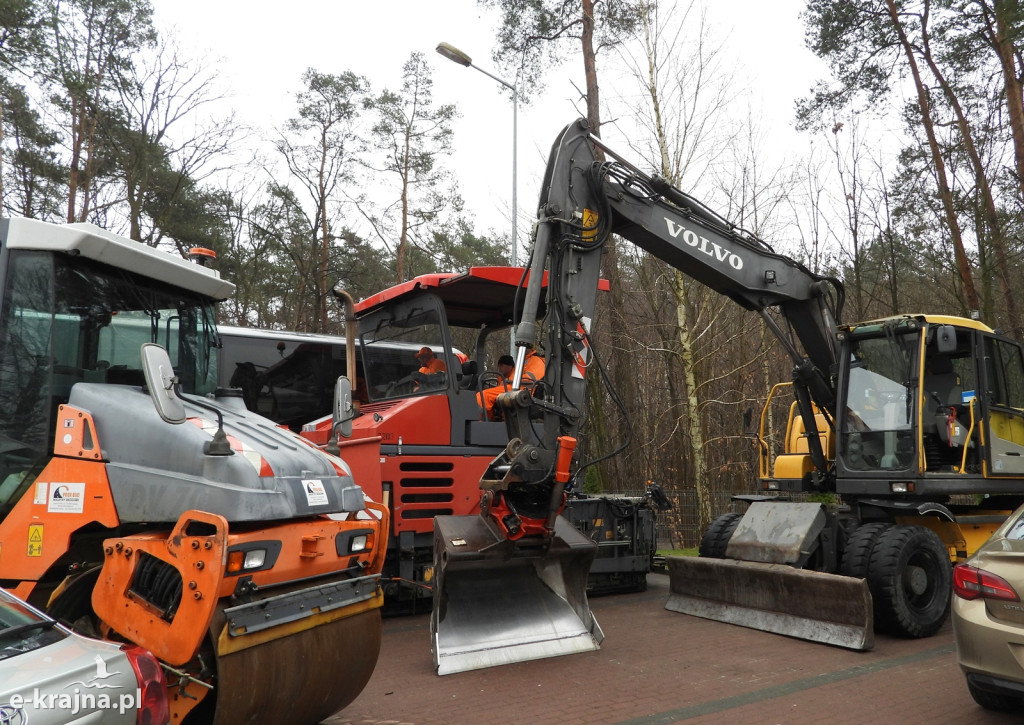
948, 386
881, 391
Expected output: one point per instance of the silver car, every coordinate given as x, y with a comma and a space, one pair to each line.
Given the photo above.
50, 675
988, 618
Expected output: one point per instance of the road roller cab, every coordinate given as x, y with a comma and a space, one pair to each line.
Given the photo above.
141, 503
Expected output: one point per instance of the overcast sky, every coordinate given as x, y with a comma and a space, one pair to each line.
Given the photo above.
260, 50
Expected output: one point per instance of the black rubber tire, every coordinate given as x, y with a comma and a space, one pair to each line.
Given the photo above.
716, 536
73, 608
994, 700
857, 553
910, 578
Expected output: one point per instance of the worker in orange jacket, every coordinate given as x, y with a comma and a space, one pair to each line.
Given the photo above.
533, 371
427, 376
429, 363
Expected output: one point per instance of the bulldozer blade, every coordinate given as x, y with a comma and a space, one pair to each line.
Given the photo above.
775, 598
497, 602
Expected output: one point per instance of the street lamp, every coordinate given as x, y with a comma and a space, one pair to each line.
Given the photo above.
457, 56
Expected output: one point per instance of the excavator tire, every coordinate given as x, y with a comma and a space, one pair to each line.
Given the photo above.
857, 554
71, 604
717, 534
910, 579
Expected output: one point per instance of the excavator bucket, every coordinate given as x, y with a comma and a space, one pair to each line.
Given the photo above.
774, 598
497, 602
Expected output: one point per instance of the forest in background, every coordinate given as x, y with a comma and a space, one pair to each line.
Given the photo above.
909, 188
106, 120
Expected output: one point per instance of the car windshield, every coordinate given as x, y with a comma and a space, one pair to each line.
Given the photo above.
22, 629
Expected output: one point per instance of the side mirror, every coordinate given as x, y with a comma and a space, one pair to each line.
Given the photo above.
342, 415
945, 339
161, 381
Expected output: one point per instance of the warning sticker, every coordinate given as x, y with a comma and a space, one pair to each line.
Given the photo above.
316, 494
66, 498
35, 540
589, 225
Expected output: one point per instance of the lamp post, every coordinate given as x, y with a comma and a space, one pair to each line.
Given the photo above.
457, 56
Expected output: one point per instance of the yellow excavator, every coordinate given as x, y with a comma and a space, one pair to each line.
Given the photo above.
141, 503
911, 426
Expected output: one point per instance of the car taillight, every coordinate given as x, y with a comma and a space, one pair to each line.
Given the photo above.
970, 582
153, 708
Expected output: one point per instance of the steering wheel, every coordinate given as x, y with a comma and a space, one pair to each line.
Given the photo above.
402, 386
489, 379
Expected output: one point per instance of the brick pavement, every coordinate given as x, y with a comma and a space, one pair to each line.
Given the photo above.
657, 666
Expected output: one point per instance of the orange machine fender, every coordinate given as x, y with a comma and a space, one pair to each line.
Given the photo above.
67, 496
71, 492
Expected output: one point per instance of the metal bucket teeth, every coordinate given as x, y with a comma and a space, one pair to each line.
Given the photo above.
496, 603
775, 598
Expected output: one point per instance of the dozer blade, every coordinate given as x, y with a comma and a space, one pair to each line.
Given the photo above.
496, 602
774, 598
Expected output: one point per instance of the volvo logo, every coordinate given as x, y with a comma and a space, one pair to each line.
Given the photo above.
704, 245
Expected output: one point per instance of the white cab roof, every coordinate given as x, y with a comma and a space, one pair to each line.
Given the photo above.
94, 243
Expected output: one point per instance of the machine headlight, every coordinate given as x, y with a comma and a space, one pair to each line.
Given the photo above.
354, 542
245, 560
255, 558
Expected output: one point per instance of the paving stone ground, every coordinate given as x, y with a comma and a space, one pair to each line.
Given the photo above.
657, 667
